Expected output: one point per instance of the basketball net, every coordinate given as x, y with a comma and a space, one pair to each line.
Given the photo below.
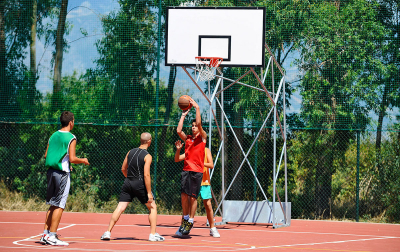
206, 67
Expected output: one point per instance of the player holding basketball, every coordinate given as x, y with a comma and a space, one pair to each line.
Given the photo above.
136, 169
60, 152
205, 190
192, 173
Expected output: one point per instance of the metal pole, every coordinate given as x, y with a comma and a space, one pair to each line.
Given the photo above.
285, 157
223, 148
209, 118
255, 172
157, 99
274, 165
209, 126
358, 176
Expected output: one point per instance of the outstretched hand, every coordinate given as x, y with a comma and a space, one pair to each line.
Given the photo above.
194, 103
178, 144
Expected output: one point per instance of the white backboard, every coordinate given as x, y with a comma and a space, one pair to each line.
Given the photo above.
236, 34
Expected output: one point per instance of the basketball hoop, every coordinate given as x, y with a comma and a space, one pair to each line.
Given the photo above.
206, 67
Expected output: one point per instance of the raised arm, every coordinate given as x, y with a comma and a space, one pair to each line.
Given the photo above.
124, 167
147, 179
181, 134
198, 120
178, 156
72, 155
210, 163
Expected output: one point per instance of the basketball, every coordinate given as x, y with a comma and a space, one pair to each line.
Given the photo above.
184, 103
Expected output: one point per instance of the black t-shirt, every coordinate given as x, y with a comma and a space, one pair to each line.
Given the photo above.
136, 163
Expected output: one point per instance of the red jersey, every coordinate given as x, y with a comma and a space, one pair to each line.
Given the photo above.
194, 154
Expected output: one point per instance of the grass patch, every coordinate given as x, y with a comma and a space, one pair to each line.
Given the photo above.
15, 201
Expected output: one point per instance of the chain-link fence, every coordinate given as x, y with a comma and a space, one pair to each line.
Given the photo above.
322, 178
104, 61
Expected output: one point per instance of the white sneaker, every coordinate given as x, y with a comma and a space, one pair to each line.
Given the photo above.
214, 232
54, 241
156, 237
106, 236
43, 239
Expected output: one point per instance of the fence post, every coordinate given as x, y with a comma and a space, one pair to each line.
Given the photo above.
255, 172
358, 177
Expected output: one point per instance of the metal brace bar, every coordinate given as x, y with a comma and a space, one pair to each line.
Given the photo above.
245, 157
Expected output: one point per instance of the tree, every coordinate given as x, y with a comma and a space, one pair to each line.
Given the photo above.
38, 11
382, 78
128, 55
32, 74
339, 41
14, 37
59, 55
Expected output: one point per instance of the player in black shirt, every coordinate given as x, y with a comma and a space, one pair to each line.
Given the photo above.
136, 169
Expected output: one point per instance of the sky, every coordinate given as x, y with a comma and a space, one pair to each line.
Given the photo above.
84, 16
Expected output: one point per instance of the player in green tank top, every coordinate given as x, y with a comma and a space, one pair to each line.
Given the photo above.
60, 153
58, 156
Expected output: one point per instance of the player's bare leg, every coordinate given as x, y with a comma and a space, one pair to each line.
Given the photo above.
47, 222
152, 216
210, 217
116, 214
185, 204
55, 218
209, 211
153, 222
193, 207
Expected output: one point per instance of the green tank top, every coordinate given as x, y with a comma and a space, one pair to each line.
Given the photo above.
58, 151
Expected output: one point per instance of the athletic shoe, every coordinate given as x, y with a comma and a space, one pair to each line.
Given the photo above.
187, 228
43, 239
214, 232
179, 232
54, 241
156, 237
106, 236
181, 227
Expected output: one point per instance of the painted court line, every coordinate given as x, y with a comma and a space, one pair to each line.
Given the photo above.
219, 247
181, 243
221, 229
229, 247
35, 236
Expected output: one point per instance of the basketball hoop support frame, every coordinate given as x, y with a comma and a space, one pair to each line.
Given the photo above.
278, 209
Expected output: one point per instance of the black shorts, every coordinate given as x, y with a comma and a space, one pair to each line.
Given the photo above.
191, 183
134, 188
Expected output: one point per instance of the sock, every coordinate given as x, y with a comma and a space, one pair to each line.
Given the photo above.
191, 220
46, 232
53, 233
186, 217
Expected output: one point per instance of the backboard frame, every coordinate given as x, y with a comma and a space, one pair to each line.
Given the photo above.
258, 51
